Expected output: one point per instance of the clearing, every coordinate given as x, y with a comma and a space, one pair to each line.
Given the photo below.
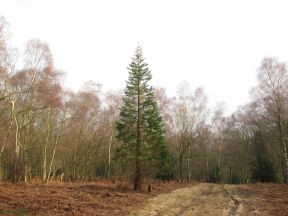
167, 199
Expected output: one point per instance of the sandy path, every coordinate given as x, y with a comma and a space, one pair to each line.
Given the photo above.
203, 199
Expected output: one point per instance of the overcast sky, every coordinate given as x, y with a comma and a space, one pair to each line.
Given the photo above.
214, 44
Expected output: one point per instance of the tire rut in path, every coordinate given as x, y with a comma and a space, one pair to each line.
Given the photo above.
236, 202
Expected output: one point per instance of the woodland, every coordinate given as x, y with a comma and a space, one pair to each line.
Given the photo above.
138, 133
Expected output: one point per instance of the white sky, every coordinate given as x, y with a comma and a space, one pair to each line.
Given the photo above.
214, 44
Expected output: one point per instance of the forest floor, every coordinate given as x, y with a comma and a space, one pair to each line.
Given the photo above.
90, 198
106, 198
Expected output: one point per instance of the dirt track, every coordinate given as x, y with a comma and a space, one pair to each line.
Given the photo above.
213, 199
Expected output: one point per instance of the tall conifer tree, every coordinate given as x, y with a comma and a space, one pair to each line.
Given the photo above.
140, 126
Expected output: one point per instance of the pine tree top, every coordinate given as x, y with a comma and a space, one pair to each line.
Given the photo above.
138, 69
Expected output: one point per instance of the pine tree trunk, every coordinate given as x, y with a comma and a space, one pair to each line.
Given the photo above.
137, 162
137, 180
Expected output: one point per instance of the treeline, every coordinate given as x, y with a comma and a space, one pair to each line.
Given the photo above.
48, 132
